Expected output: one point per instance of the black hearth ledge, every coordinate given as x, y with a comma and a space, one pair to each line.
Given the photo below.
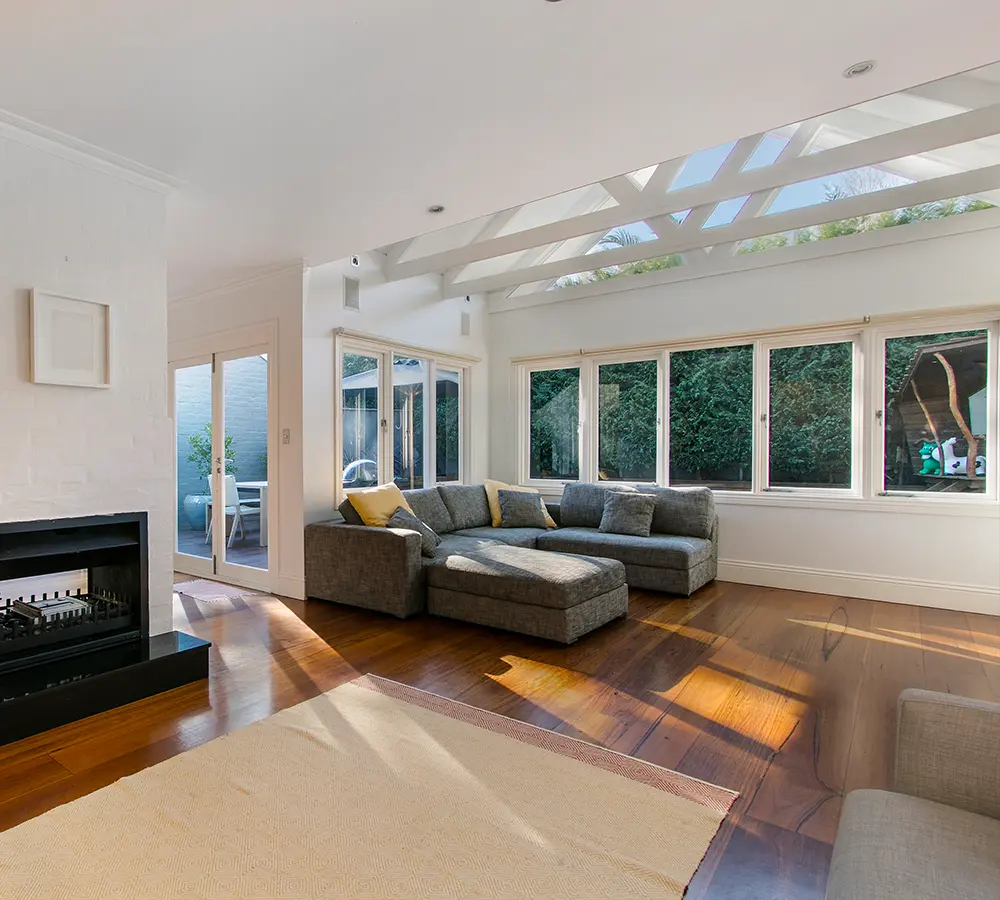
36, 699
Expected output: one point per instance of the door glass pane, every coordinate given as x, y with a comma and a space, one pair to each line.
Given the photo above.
935, 409
711, 417
409, 392
810, 418
193, 422
245, 483
555, 424
359, 420
627, 421
448, 424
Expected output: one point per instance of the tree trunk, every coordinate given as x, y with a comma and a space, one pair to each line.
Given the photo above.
970, 463
930, 425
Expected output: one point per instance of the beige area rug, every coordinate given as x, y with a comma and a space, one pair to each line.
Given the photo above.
375, 790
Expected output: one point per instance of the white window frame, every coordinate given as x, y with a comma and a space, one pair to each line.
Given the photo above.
384, 351
868, 389
944, 324
762, 418
524, 421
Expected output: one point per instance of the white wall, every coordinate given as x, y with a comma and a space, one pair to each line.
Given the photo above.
411, 312
68, 228
859, 552
226, 319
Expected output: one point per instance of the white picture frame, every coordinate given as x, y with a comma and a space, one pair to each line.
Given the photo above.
70, 341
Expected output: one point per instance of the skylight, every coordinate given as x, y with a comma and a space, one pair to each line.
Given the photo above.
789, 177
702, 166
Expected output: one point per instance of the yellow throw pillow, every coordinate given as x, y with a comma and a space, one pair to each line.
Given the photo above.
376, 505
492, 489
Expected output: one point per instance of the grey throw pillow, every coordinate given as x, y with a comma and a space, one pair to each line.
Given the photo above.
403, 518
350, 514
628, 513
519, 509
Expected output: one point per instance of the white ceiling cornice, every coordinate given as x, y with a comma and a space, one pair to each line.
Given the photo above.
23, 131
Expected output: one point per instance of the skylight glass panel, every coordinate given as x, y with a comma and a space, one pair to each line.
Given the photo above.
679, 217
625, 270
867, 180
625, 236
767, 151
924, 212
702, 166
725, 212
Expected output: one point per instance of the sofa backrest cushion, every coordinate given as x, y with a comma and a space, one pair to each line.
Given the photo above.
467, 505
681, 511
428, 506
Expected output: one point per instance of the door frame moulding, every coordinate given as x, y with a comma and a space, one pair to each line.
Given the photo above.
249, 337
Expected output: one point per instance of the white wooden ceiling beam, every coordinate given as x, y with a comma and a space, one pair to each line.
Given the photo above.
907, 141
758, 204
663, 176
621, 188
914, 194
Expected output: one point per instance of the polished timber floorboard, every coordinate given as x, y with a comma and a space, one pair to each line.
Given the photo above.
786, 697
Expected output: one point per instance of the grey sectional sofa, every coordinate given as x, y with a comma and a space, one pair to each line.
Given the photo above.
937, 835
578, 583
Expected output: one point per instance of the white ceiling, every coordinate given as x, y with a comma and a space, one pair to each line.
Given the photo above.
315, 128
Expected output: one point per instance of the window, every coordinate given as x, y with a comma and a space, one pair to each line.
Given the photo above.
711, 417
554, 411
935, 412
400, 417
448, 385
360, 420
811, 408
805, 414
627, 414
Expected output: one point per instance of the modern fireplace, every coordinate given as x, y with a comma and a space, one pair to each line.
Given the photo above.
74, 623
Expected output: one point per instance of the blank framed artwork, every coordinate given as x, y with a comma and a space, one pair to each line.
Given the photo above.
70, 341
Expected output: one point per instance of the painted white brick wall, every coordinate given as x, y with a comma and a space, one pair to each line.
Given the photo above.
72, 451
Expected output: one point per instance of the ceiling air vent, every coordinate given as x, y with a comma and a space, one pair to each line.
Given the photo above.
352, 293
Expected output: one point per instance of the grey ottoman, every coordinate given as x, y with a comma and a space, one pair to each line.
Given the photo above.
548, 595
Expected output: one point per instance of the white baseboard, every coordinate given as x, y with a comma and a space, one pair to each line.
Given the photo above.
891, 589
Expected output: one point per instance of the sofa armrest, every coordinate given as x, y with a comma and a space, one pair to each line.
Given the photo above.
555, 510
375, 568
948, 750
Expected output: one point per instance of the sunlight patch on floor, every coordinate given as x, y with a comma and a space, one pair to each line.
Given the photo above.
917, 643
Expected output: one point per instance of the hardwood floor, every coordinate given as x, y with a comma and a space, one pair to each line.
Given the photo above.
786, 697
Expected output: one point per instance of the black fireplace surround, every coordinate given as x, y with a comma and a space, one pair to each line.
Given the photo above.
68, 654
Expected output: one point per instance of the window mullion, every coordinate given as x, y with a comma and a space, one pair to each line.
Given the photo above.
588, 420
663, 420
761, 416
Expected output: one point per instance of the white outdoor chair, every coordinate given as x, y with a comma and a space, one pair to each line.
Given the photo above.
234, 507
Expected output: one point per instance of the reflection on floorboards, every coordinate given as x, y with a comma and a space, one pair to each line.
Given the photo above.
786, 697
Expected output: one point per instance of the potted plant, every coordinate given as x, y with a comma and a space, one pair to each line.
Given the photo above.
200, 455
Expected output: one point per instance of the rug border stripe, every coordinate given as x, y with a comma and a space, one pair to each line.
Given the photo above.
711, 796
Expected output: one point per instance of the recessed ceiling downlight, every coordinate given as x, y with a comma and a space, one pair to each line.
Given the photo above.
859, 69
435, 209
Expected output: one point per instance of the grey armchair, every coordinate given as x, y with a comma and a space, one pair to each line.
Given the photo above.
937, 835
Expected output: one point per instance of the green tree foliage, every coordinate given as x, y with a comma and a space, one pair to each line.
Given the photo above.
555, 423
627, 412
711, 415
200, 452
810, 417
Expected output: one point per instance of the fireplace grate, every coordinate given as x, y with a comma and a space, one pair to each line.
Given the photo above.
37, 621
